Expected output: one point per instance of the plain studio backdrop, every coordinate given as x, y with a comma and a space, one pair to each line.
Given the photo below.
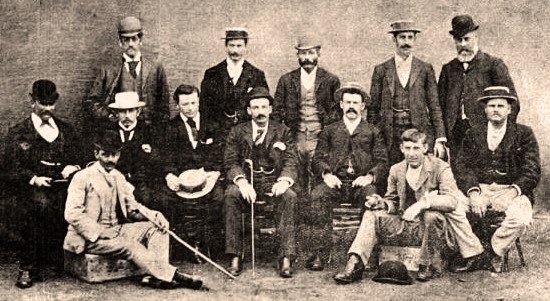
66, 41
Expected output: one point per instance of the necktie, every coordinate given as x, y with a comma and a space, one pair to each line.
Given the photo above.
193, 126
132, 66
259, 134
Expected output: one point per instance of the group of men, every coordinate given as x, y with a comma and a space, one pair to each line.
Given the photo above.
233, 143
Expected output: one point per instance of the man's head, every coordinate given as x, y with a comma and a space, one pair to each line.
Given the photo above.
353, 100
236, 40
404, 37
43, 97
464, 33
107, 149
308, 52
130, 33
414, 147
187, 98
127, 107
498, 104
259, 105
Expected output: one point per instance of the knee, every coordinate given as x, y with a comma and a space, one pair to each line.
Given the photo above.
368, 216
432, 217
232, 193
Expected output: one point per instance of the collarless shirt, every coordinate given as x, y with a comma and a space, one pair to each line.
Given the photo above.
234, 69
403, 68
495, 135
308, 79
136, 58
412, 176
197, 120
46, 129
352, 125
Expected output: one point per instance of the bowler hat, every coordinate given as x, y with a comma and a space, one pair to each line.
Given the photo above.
352, 87
129, 27
44, 91
307, 42
109, 141
234, 33
497, 92
258, 92
195, 183
394, 272
403, 25
462, 24
126, 100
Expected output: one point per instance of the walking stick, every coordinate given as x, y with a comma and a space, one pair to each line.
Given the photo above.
188, 246
251, 164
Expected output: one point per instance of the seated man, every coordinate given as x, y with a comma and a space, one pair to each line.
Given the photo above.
422, 203
137, 156
190, 147
264, 148
105, 219
350, 156
498, 167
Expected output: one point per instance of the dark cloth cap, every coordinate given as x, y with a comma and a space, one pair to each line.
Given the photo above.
129, 27
258, 92
44, 92
108, 141
355, 88
394, 272
462, 24
497, 92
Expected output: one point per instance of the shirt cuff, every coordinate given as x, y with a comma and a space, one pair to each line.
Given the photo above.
31, 182
441, 139
517, 188
475, 188
289, 180
235, 179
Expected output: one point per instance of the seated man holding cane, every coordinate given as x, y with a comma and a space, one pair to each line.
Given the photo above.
105, 219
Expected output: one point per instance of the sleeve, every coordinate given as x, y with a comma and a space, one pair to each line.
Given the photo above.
373, 111
162, 96
380, 156
279, 103
16, 159
335, 113
75, 209
232, 155
529, 161
447, 198
466, 174
321, 156
96, 103
391, 198
290, 162
442, 94
436, 115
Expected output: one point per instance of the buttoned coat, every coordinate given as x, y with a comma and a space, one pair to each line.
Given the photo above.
424, 106
215, 98
516, 160
365, 146
457, 86
87, 191
278, 140
286, 106
154, 91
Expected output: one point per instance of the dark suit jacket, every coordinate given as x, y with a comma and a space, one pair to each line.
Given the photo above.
367, 147
516, 160
25, 148
178, 153
154, 92
280, 146
286, 108
424, 104
484, 71
215, 98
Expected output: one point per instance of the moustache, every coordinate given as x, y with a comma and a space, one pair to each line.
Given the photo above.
351, 110
233, 54
406, 46
464, 50
261, 116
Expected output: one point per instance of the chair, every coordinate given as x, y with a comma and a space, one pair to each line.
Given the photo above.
496, 223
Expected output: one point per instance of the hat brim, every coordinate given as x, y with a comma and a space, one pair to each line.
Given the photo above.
117, 107
211, 179
408, 281
415, 30
461, 33
306, 47
129, 34
509, 98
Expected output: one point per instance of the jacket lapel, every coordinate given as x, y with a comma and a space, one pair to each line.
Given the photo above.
145, 69
401, 184
247, 132
425, 173
319, 78
415, 69
295, 82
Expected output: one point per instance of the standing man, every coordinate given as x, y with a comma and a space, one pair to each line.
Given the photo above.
423, 206
105, 219
42, 153
225, 85
463, 79
404, 95
498, 167
267, 147
131, 72
304, 102
350, 157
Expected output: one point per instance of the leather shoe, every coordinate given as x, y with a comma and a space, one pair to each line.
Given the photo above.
236, 266
426, 273
353, 271
496, 264
187, 281
24, 279
474, 263
285, 268
315, 263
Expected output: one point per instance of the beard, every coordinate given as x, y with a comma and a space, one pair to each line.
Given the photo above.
465, 55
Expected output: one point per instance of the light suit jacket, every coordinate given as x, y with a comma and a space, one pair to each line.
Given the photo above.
86, 192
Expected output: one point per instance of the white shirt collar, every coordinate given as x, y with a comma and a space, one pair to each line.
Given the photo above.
232, 64
351, 125
49, 133
136, 58
255, 128
197, 119
308, 79
399, 60
130, 128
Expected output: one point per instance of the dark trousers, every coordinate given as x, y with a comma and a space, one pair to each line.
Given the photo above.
319, 215
235, 205
42, 227
455, 143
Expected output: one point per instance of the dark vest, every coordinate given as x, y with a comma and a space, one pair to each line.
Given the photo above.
127, 82
50, 154
401, 103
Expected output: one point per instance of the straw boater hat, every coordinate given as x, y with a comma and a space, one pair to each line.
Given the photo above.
403, 25
129, 27
195, 183
234, 33
126, 100
497, 92
352, 87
